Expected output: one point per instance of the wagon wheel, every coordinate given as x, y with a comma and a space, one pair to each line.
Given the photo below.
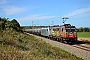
62, 40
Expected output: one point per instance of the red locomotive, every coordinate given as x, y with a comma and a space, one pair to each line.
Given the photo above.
63, 33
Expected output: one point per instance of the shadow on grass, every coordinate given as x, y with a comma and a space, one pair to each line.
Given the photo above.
80, 42
83, 42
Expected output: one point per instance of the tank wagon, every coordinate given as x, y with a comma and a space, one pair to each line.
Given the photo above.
63, 33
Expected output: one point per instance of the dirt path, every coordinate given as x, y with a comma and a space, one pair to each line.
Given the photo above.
86, 44
80, 38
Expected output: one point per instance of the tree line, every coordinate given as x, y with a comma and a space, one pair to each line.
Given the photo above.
83, 29
5, 23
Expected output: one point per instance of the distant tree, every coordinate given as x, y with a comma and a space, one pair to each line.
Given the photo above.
2, 23
5, 23
83, 29
14, 24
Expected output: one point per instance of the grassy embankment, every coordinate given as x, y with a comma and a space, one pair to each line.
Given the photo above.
19, 46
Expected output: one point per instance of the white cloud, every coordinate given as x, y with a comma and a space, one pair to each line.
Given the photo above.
36, 17
10, 10
2, 1
77, 12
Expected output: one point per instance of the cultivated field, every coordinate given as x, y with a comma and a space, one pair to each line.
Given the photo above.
84, 36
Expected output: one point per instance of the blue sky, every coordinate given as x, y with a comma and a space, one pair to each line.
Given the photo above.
43, 12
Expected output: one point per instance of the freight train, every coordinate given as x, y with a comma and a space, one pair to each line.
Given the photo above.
63, 33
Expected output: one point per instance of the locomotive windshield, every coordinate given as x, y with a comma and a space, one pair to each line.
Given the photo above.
70, 29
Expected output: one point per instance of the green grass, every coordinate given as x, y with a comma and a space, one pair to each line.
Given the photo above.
83, 34
19, 46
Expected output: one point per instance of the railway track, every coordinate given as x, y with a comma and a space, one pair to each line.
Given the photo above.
82, 47
77, 49
79, 46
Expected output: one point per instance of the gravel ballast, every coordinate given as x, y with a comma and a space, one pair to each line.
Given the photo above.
78, 52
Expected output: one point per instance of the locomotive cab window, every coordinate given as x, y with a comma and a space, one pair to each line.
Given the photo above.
73, 29
67, 29
70, 29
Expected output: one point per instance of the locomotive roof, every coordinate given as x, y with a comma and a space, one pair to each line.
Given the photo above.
69, 26
66, 25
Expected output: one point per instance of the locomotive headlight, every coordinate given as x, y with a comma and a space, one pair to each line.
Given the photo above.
71, 34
